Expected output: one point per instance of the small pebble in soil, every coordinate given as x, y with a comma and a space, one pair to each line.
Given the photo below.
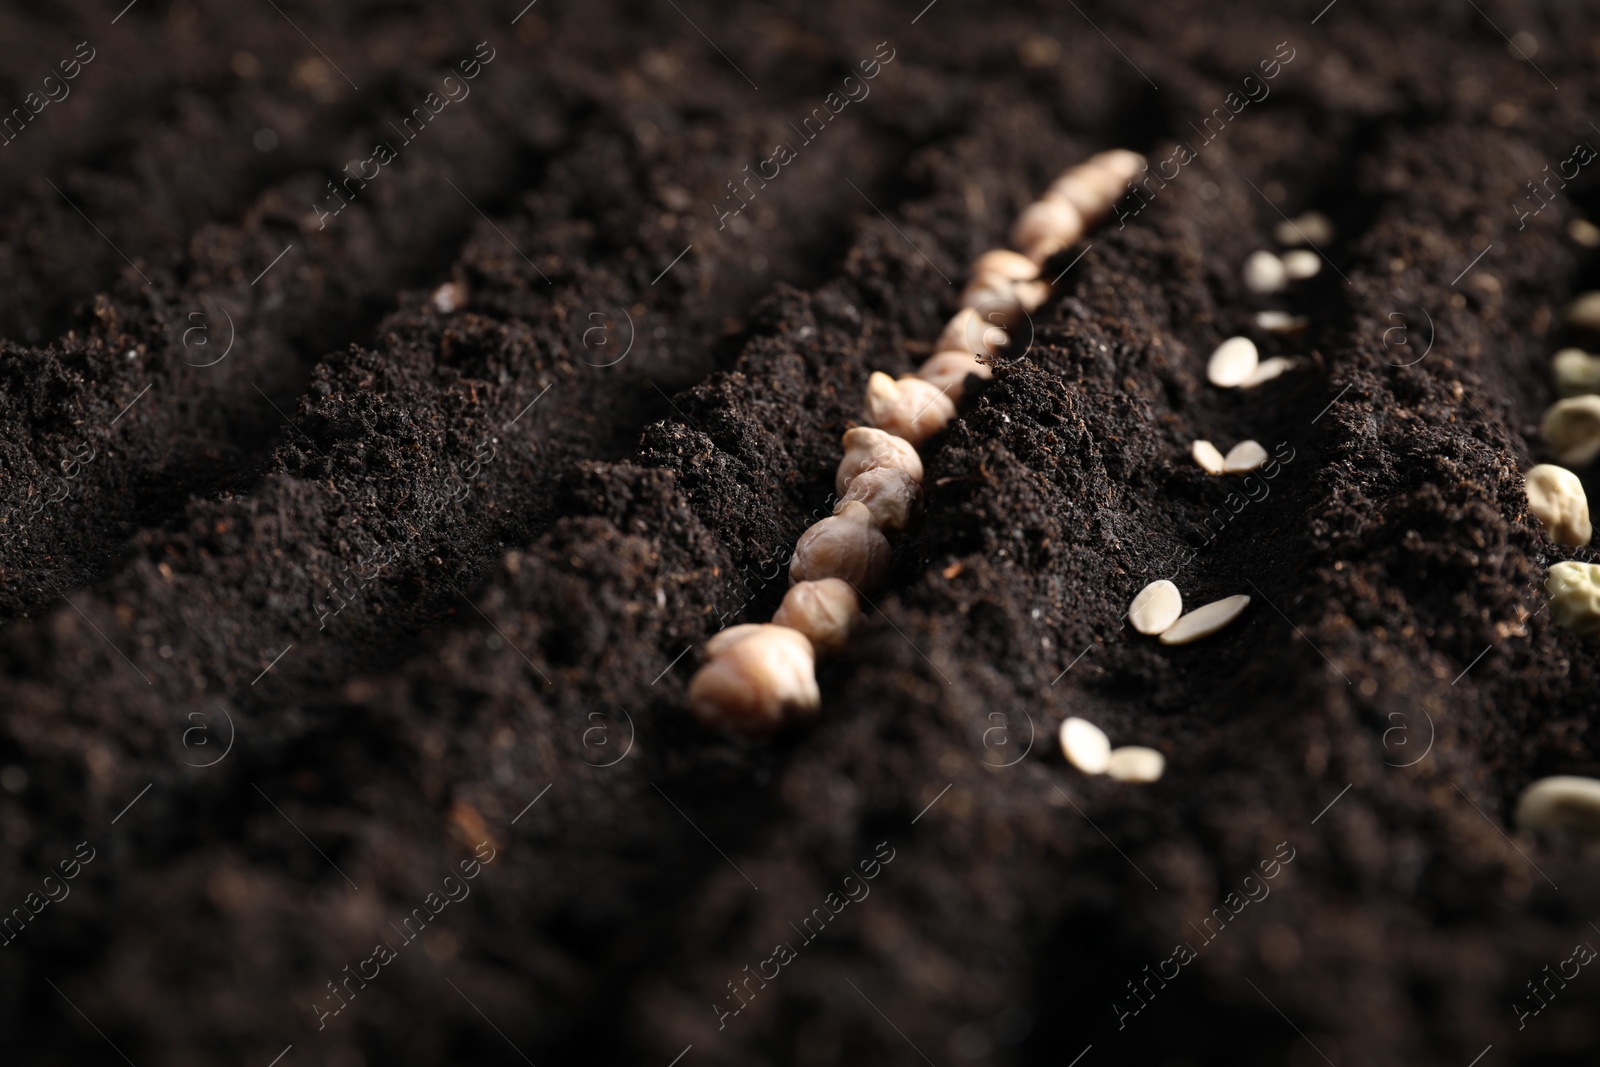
949, 370
1572, 426
866, 448
1576, 372
1302, 263
1564, 802
1556, 496
1244, 457
1313, 227
1233, 362
825, 611
1135, 763
910, 407
756, 678
1206, 454
889, 493
1156, 608
847, 545
1265, 273
1266, 370
1085, 745
1584, 312
1574, 590
1281, 322
1204, 621
450, 297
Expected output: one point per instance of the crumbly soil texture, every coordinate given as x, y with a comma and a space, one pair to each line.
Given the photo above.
396, 396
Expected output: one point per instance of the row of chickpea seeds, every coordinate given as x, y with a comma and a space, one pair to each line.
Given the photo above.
757, 677
1556, 497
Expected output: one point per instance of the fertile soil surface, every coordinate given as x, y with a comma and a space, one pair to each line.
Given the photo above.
348, 621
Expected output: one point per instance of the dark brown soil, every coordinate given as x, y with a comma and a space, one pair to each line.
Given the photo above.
294, 634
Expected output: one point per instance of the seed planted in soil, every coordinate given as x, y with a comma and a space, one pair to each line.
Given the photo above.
909, 408
1576, 372
1584, 312
1266, 370
1563, 802
1302, 263
1244, 457
1281, 322
968, 331
846, 545
866, 448
1265, 273
1205, 621
889, 493
1210, 459
1135, 763
1556, 496
1313, 226
1572, 426
1085, 746
1232, 363
948, 371
1156, 608
1574, 590
758, 676
825, 611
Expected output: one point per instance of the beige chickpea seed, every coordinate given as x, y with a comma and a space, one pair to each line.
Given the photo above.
910, 408
1574, 590
1572, 426
1576, 372
866, 447
1563, 802
825, 611
968, 331
1556, 497
1046, 226
755, 679
949, 370
848, 545
889, 493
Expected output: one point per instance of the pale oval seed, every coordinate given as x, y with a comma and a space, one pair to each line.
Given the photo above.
1281, 321
1204, 621
1564, 802
1584, 312
866, 447
1046, 226
1313, 227
756, 680
968, 331
1156, 608
888, 492
1302, 263
1013, 266
910, 408
1265, 273
1266, 370
1576, 372
1244, 457
1572, 426
1135, 763
1574, 590
1205, 453
848, 545
1556, 496
1233, 362
1085, 745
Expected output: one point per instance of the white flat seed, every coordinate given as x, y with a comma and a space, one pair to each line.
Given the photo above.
1157, 607
1313, 226
1584, 233
1135, 763
1302, 263
1205, 453
1281, 321
1085, 745
1584, 312
1266, 370
1574, 590
1556, 496
1204, 621
1265, 273
1244, 457
1233, 362
1565, 802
